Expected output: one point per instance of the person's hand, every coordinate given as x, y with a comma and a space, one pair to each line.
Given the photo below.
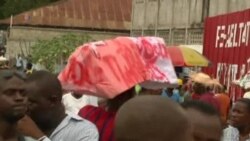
27, 127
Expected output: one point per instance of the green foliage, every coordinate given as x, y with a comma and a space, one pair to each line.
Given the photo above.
51, 52
13, 7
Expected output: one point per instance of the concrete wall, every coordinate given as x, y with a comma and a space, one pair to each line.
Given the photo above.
173, 20
23, 37
164, 14
218, 7
179, 21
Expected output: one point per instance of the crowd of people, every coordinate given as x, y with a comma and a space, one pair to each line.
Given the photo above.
33, 108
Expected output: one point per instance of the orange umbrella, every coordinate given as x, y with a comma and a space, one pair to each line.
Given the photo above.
183, 56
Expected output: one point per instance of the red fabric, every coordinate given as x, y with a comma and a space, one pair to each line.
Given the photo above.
209, 99
108, 68
226, 45
103, 120
195, 96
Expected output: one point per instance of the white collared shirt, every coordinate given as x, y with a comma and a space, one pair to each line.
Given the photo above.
231, 134
73, 128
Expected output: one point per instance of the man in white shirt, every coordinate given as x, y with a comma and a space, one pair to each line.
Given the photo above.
73, 102
19, 62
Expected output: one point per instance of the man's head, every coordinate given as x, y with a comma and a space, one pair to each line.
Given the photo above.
170, 91
29, 66
199, 88
77, 95
45, 94
240, 114
152, 118
205, 119
13, 99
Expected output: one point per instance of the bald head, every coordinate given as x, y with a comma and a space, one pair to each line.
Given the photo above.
148, 118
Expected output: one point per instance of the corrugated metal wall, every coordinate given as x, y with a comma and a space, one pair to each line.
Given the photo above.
92, 14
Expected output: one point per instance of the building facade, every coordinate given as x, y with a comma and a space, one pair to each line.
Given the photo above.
99, 19
178, 21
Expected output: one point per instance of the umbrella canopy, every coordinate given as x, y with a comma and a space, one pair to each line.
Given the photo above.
183, 56
108, 68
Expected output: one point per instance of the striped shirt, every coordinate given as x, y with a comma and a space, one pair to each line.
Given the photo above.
103, 120
74, 128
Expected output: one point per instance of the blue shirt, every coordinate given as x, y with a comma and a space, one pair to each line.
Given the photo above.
175, 97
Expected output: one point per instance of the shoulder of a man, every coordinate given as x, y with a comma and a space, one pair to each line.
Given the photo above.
85, 130
230, 134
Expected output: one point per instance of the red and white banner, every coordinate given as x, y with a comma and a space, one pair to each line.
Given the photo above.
108, 68
227, 45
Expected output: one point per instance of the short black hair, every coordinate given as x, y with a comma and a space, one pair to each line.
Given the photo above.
225, 87
7, 74
29, 66
246, 101
47, 82
201, 107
